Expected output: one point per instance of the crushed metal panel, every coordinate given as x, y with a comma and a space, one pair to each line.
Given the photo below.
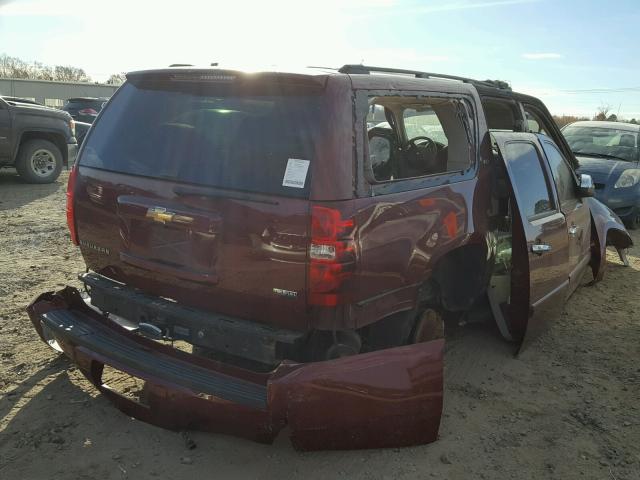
386, 398
607, 229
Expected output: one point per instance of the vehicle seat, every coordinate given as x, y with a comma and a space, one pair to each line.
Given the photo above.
422, 162
383, 170
627, 140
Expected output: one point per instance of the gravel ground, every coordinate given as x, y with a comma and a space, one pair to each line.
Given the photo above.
568, 408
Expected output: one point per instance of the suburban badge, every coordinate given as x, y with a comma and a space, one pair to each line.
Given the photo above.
285, 293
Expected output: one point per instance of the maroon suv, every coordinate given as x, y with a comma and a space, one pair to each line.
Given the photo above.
304, 234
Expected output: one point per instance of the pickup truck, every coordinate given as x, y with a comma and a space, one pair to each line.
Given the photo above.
35, 139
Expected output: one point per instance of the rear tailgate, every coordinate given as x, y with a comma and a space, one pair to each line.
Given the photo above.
198, 191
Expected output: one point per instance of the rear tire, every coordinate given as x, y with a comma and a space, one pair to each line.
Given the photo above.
39, 161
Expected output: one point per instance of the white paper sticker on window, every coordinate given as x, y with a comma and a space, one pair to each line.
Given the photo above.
296, 173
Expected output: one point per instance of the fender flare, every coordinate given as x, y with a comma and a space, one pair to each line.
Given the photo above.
606, 230
45, 132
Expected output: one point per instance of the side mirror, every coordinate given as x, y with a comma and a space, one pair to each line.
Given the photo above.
587, 188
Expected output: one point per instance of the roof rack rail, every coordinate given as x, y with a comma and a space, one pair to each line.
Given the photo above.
366, 70
180, 65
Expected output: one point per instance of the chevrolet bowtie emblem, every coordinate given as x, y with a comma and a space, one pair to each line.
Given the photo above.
161, 215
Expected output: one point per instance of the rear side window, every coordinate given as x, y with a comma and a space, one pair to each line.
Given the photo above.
80, 104
501, 115
194, 133
413, 137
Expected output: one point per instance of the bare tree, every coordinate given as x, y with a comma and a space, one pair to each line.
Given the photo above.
116, 79
563, 120
14, 67
70, 74
603, 112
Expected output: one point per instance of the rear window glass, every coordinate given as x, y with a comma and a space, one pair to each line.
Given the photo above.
198, 134
84, 103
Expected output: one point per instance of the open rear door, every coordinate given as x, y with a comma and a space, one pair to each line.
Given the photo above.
540, 246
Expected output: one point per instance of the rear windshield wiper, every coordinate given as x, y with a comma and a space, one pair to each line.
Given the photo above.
210, 193
601, 155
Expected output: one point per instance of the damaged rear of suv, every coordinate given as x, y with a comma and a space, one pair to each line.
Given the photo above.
299, 236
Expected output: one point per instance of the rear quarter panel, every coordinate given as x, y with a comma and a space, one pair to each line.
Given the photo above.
402, 236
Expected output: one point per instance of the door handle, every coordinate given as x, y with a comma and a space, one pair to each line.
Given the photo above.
540, 248
573, 229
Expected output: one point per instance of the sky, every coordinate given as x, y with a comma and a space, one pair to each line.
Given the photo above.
576, 55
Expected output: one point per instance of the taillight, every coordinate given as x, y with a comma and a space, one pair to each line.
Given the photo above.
87, 111
71, 220
331, 256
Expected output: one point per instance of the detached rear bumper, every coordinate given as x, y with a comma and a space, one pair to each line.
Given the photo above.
386, 398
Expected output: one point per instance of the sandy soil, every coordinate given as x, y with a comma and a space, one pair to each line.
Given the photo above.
569, 408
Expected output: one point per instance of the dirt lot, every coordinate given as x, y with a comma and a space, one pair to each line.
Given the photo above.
569, 408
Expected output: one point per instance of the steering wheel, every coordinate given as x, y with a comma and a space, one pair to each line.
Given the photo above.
430, 146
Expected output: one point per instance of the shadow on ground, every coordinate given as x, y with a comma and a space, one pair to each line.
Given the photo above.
20, 193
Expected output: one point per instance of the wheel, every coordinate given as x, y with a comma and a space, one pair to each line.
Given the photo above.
634, 221
39, 161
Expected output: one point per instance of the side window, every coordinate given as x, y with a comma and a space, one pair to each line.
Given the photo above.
416, 136
534, 122
562, 174
501, 115
529, 178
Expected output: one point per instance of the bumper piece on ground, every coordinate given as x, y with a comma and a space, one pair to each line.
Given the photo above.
380, 399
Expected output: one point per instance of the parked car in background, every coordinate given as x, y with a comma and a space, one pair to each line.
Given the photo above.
610, 153
20, 100
84, 109
309, 250
35, 139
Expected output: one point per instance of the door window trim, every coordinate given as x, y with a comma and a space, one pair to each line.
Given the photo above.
564, 160
551, 191
554, 132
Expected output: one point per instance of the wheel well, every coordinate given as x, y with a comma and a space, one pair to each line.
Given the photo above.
56, 139
459, 278
618, 238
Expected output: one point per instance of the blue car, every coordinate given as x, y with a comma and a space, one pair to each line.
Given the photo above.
610, 153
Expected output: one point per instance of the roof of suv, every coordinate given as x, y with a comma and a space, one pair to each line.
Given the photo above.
384, 78
363, 77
